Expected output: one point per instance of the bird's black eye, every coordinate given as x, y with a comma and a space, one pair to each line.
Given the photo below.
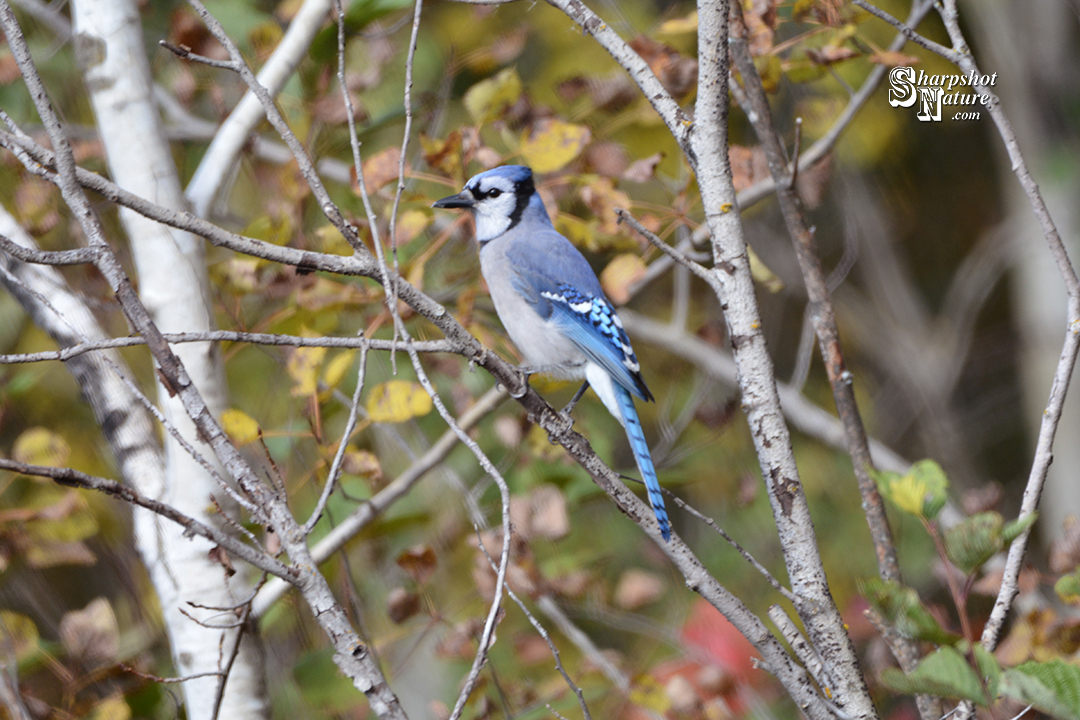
494, 193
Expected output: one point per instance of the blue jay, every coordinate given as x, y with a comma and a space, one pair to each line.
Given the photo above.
552, 306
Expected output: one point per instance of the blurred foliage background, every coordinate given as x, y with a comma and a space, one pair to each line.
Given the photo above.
903, 209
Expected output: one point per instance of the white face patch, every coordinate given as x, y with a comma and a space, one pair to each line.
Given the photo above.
495, 205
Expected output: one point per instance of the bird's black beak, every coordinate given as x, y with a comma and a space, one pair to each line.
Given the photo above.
463, 199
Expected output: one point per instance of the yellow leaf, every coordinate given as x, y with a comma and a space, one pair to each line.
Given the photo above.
908, 493
620, 274
415, 275
396, 401
771, 71
21, 632
362, 463
410, 224
763, 273
333, 242
553, 144
303, 367
336, 368
679, 26
113, 707
487, 99
239, 426
40, 446
648, 693
241, 274
577, 230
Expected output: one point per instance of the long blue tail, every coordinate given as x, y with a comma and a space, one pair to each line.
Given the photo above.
643, 458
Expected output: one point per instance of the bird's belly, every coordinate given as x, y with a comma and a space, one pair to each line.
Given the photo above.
542, 345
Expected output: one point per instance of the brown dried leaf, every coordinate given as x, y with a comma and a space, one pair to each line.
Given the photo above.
678, 74
602, 198
401, 605
509, 431
748, 165
362, 463
684, 698
9, 70
644, 169
1065, 551
381, 168
637, 588
218, 555
990, 583
443, 154
460, 643
531, 649
572, 585
549, 518
812, 183
91, 634
607, 158
891, 58
418, 562
37, 202
52, 553
330, 109
982, 499
830, 54
760, 19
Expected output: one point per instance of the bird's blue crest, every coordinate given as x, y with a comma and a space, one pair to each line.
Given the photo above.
514, 173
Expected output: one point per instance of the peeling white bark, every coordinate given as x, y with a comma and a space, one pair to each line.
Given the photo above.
174, 288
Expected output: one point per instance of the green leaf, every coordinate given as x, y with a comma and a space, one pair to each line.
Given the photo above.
1068, 588
324, 688
945, 673
922, 491
901, 608
974, 541
1051, 687
988, 667
1018, 527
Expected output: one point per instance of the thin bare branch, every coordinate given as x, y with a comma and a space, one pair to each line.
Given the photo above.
395, 490
73, 478
907, 32
184, 53
673, 252
351, 343
335, 467
542, 633
762, 570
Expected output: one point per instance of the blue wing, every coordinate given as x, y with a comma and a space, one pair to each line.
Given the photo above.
561, 286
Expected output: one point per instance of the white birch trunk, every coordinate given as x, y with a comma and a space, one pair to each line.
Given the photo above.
174, 288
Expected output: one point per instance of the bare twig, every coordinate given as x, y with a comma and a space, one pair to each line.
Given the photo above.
764, 188
219, 162
353, 343
395, 490
1071, 346
762, 570
335, 467
673, 252
910, 34
542, 633
184, 53
76, 479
